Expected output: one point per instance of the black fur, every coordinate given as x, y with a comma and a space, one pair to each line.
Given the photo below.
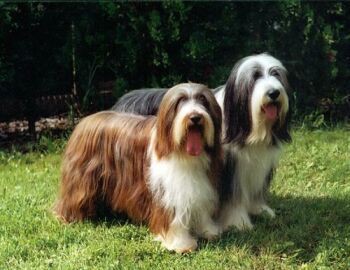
237, 107
228, 187
282, 132
143, 101
237, 113
268, 180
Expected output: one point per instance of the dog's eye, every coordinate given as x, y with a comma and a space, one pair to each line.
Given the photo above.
180, 101
256, 75
203, 100
275, 73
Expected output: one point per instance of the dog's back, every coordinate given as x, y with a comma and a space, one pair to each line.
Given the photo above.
99, 161
142, 101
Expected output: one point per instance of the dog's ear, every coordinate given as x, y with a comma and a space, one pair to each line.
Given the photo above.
215, 114
164, 143
282, 129
283, 132
237, 107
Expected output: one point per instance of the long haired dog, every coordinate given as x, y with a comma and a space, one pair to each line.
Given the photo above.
162, 171
255, 105
255, 108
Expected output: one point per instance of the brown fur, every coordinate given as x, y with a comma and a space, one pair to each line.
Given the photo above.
103, 148
167, 113
168, 110
106, 162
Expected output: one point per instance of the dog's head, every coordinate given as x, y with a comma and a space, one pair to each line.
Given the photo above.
188, 121
256, 101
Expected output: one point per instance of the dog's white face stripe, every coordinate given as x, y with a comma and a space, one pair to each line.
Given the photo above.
261, 67
264, 60
256, 124
259, 95
189, 107
181, 182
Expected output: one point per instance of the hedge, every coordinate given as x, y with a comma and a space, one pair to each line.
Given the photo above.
47, 47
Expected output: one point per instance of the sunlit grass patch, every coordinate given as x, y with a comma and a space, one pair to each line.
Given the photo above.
310, 193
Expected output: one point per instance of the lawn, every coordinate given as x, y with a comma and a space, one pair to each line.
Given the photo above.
310, 193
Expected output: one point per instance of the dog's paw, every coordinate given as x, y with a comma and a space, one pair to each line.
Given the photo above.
269, 211
180, 244
211, 232
259, 209
239, 219
244, 224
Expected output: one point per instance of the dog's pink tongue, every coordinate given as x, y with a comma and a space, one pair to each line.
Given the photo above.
194, 142
270, 111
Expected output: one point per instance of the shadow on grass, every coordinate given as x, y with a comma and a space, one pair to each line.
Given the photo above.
303, 228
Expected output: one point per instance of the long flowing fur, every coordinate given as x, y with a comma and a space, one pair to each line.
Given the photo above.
141, 101
252, 145
134, 165
102, 149
252, 142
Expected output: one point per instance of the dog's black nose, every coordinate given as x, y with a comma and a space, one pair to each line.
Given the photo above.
273, 93
195, 118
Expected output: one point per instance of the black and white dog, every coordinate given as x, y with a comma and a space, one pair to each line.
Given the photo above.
255, 109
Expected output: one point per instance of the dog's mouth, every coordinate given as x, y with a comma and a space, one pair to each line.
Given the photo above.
194, 140
271, 110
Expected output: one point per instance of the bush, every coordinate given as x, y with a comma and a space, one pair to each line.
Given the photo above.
159, 44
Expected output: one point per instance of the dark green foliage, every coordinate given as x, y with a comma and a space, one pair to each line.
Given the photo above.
158, 44
34, 56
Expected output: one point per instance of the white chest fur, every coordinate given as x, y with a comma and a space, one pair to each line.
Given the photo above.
182, 184
253, 163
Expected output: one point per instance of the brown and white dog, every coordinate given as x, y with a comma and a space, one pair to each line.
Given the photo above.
256, 116
162, 171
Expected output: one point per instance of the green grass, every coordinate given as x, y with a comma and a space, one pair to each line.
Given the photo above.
310, 193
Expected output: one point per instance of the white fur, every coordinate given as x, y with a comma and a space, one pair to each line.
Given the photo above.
253, 165
257, 157
220, 95
260, 128
190, 107
235, 215
263, 59
182, 185
178, 238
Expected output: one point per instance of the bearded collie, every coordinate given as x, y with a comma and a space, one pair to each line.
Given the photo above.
255, 106
256, 113
161, 171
